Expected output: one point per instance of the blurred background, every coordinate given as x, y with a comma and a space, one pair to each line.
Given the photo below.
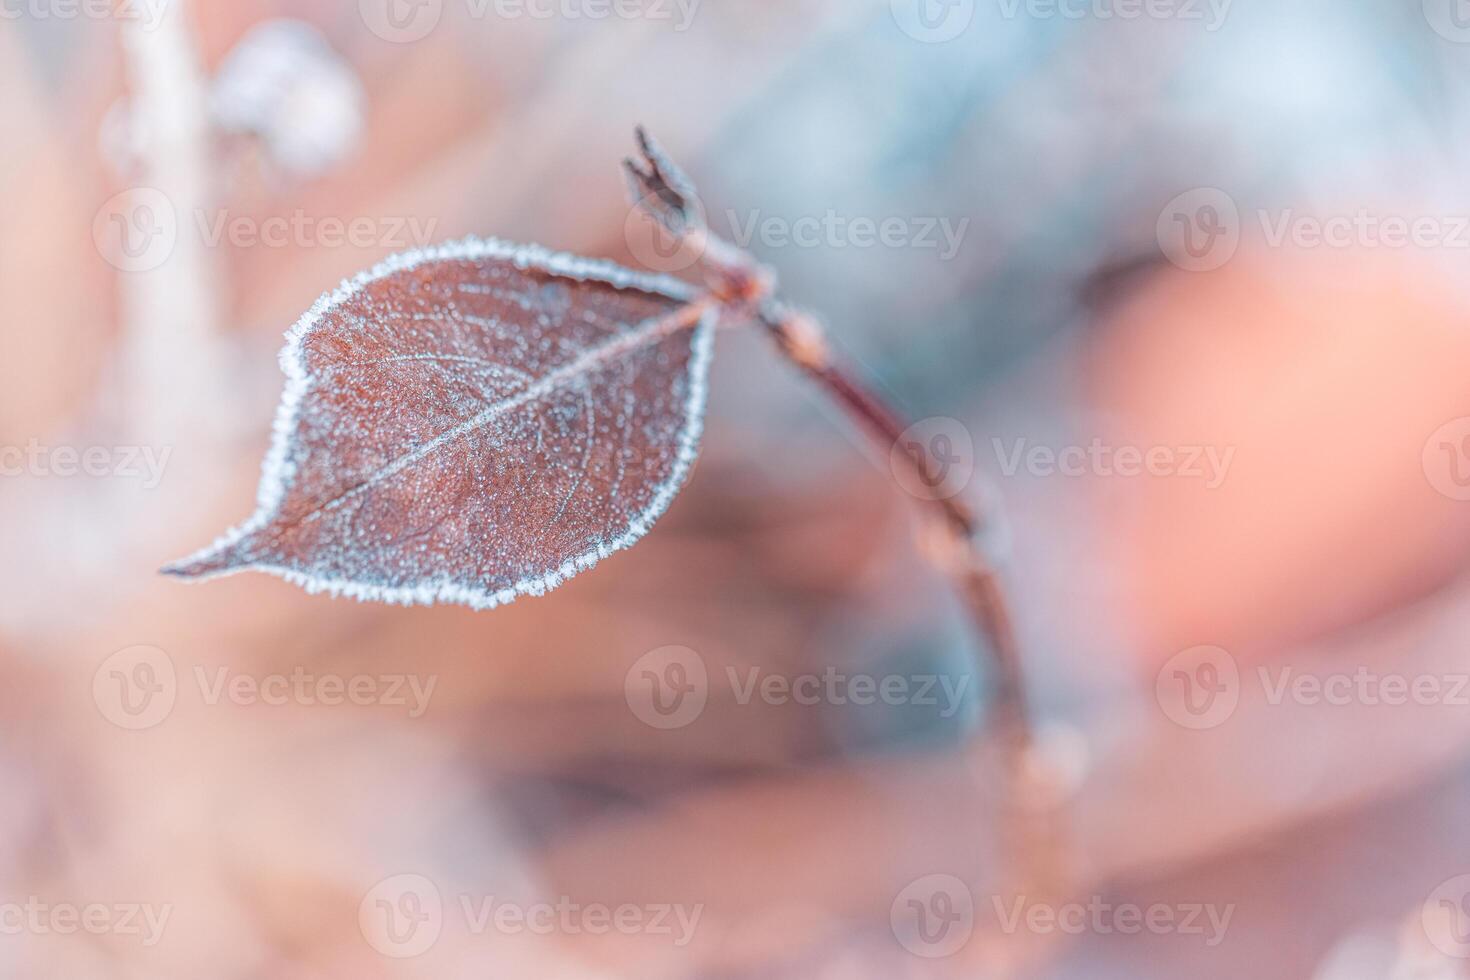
1179, 287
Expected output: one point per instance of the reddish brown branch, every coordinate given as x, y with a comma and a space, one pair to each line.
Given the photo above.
746, 290
953, 530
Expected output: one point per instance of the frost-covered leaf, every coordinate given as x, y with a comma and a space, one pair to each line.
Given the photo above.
474, 422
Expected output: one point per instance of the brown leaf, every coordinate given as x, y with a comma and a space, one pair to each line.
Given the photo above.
474, 422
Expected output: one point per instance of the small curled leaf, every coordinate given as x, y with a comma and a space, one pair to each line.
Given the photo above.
474, 422
657, 185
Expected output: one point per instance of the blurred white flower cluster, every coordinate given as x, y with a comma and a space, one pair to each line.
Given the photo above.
283, 86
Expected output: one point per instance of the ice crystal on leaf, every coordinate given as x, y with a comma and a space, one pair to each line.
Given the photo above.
474, 422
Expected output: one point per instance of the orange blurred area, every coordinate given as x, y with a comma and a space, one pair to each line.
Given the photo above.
1309, 387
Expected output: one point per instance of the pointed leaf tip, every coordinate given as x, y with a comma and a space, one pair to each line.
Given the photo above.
214, 560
